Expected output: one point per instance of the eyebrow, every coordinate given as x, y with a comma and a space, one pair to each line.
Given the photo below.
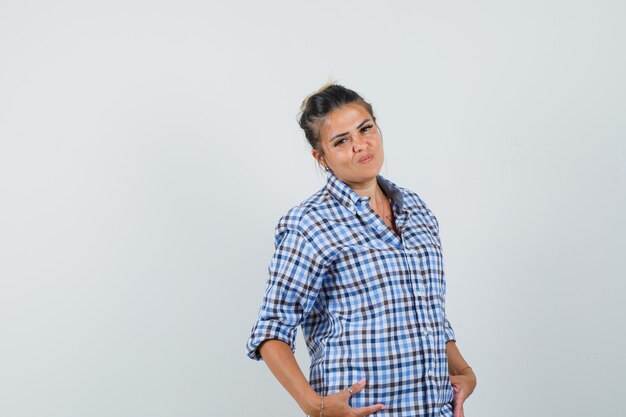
345, 133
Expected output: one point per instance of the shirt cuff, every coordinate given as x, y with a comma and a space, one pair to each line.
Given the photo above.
267, 330
450, 337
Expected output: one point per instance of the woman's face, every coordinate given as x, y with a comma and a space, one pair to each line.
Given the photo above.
352, 145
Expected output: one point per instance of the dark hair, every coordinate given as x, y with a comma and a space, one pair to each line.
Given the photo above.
320, 104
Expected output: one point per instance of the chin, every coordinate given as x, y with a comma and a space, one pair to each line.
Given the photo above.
374, 171
365, 177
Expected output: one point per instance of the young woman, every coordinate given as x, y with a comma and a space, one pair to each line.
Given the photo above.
358, 266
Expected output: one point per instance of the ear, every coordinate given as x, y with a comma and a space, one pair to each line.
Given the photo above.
319, 158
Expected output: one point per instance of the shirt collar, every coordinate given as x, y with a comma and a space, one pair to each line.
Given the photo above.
350, 199
392, 190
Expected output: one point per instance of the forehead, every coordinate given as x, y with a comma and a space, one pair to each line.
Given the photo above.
344, 119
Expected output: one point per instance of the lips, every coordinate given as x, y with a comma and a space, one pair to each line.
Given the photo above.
366, 159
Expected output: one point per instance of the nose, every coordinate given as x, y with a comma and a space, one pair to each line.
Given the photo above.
358, 144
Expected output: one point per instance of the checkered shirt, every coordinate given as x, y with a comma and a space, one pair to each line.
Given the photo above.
370, 302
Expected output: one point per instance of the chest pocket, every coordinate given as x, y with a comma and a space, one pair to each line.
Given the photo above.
422, 232
365, 282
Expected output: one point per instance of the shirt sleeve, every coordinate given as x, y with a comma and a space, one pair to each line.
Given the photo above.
447, 328
295, 278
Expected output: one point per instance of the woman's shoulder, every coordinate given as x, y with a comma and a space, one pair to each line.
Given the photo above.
413, 200
301, 216
309, 221
413, 203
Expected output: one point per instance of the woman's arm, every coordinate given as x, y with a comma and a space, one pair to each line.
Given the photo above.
462, 377
282, 362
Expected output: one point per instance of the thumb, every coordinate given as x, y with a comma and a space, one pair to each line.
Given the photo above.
457, 403
458, 410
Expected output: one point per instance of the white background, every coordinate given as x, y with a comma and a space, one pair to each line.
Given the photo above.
148, 148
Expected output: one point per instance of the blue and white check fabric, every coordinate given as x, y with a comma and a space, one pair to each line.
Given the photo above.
370, 302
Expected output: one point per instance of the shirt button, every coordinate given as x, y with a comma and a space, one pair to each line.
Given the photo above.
420, 294
426, 331
430, 373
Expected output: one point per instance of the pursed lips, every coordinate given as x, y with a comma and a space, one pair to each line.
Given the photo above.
366, 159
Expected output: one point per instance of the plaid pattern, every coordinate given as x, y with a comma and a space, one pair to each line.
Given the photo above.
370, 303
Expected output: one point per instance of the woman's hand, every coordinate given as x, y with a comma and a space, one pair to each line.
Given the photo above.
336, 405
463, 386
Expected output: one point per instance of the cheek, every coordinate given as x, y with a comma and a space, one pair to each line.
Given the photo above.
379, 143
339, 152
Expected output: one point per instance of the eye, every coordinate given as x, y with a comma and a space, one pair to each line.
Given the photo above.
341, 141
366, 128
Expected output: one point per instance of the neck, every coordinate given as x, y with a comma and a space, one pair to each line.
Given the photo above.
366, 189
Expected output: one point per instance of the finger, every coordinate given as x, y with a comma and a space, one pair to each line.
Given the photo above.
460, 392
457, 402
357, 386
366, 411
